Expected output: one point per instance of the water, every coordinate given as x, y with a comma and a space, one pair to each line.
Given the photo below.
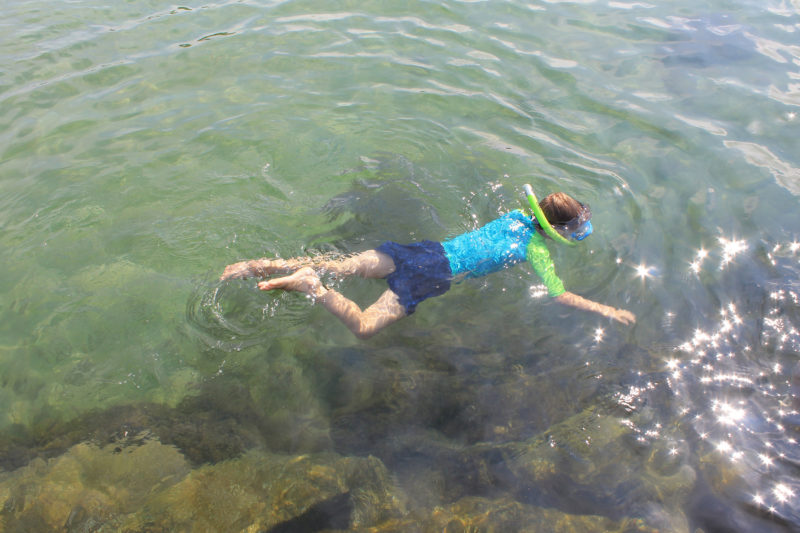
144, 147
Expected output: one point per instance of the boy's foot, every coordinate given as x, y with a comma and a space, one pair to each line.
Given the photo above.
257, 268
304, 280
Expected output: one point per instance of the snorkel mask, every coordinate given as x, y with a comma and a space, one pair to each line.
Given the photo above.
570, 233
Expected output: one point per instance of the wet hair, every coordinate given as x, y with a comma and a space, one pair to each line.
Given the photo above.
560, 208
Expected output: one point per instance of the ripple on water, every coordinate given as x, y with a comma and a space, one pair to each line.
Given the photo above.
233, 316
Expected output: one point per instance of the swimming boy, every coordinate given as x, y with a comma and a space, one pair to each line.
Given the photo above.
421, 270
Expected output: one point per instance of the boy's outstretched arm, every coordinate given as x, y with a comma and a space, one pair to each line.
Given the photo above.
573, 300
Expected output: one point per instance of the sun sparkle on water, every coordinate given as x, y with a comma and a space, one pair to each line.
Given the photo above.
782, 493
643, 271
730, 249
736, 394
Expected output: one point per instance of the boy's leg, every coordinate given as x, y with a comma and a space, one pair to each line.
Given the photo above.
386, 310
369, 264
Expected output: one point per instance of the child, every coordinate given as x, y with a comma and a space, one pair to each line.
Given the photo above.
425, 269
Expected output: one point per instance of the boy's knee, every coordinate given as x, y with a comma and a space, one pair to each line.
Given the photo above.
365, 333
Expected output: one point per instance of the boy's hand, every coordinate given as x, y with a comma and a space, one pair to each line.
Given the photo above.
620, 315
623, 316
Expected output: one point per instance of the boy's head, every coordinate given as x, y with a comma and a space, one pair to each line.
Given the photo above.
567, 215
560, 208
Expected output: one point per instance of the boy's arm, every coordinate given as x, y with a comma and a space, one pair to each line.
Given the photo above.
539, 258
573, 300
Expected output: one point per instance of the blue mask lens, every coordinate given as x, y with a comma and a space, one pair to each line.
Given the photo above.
579, 227
583, 231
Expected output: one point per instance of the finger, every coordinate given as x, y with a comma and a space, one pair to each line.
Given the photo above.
623, 317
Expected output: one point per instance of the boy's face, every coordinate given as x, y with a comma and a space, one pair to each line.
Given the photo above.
579, 227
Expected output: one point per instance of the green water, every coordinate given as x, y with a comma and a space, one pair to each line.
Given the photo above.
144, 146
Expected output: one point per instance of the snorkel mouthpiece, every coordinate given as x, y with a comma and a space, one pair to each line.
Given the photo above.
580, 233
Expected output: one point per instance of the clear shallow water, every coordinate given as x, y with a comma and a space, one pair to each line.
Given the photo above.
144, 147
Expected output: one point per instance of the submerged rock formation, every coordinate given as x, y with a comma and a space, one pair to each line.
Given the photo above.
151, 487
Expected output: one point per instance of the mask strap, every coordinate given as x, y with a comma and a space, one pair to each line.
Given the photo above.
542, 220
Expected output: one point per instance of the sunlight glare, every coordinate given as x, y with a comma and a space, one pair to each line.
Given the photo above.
782, 493
728, 414
643, 271
599, 333
697, 265
730, 249
537, 291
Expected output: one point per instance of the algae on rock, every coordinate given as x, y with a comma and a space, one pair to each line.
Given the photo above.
151, 487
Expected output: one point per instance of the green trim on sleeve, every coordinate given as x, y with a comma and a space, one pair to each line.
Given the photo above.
539, 258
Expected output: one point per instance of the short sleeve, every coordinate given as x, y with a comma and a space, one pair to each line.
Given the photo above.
539, 258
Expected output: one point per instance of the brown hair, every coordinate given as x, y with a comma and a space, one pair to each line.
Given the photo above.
560, 208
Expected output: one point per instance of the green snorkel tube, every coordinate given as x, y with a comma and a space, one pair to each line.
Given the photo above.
542, 220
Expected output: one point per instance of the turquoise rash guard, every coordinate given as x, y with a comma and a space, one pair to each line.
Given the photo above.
506, 241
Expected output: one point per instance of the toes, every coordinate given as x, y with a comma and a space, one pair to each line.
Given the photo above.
277, 283
266, 285
301, 280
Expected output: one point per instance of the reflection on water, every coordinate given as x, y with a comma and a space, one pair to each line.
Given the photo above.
735, 387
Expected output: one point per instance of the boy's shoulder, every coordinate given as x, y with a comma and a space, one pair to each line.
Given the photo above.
514, 215
518, 218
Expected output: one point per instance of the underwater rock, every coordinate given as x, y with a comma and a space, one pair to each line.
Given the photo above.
585, 464
462, 425
481, 514
221, 419
462, 394
261, 492
87, 484
333, 513
150, 487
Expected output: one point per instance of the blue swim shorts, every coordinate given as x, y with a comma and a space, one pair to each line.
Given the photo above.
421, 271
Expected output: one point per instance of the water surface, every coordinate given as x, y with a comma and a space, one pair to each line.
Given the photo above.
144, 146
